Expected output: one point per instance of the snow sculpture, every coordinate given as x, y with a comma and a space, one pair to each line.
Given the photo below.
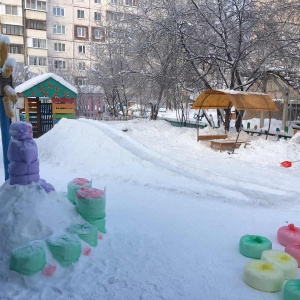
288, 234
87, 232
28, 259
263, 276
90, 204
286, 262
23, 156
65, 249
75, 185
253, 245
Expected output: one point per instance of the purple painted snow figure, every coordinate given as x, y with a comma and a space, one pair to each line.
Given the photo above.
23, 156
48, 187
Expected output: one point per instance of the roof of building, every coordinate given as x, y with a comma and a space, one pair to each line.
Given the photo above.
47, 85
224, 99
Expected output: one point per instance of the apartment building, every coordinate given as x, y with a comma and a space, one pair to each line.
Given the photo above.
60, 35
24, 22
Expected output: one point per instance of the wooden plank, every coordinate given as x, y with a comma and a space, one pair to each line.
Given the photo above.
63, 111
211, 137
64, 105
224, 145
68, 116
227, 144
63, 100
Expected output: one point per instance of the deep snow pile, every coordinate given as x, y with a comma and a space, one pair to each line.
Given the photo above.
176, 210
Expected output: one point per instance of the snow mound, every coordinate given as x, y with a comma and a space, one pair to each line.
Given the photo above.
25, 215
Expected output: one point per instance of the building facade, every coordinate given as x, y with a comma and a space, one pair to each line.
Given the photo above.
59, 35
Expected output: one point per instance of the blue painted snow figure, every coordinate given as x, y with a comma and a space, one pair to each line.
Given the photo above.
23, 156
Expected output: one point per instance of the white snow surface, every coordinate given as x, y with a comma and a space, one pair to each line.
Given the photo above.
40, 78
175, 208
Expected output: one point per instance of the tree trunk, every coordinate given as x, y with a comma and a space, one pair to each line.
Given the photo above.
239, 117
227, 119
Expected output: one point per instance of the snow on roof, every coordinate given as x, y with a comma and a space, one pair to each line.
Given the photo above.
40, 78
92, 89
240, 92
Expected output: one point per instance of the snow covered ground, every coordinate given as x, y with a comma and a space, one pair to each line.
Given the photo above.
176, 210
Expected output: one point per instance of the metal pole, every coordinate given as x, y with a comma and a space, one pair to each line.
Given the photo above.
5, 123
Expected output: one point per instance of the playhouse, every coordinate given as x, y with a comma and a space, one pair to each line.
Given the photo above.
47, 99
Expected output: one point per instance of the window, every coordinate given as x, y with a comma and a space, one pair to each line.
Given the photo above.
12, 29
81, 80
59, 29
80, 14
98, 33
59, 64
115, 33
130, 2
112, 16
113, 1
81, 65
97, 16
81, 32
11, 10
81, 49
39, 43
36, 24
58, 11
97, 1
15, 49
36, 4
59, 47
37, 61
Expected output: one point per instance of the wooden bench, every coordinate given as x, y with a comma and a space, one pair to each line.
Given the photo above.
211, 137
226, 145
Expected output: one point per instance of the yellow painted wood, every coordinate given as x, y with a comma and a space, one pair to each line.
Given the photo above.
63, 111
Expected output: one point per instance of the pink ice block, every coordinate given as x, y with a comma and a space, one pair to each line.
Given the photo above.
49, 270
87, 251
80, 181
288, 235
89, 193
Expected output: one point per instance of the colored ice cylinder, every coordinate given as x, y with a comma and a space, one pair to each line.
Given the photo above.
87, 232
99, 223
253, 245
294, 251
286, 262
291, 290
288, 234
263, 276
28, 259
90, 203
65, 249
75, 185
